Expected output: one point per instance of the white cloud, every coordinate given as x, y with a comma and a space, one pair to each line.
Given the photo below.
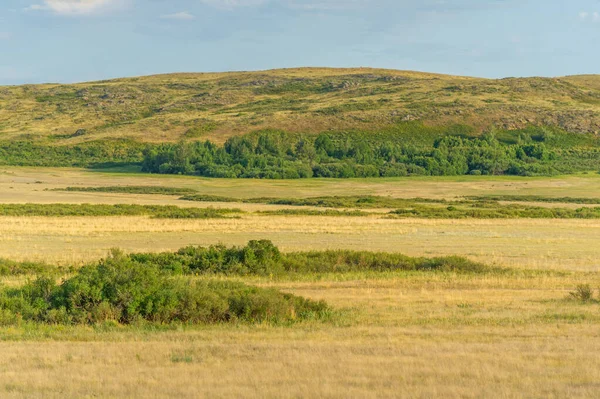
35, 7
183, 16
75, 7
590, 16
5, 35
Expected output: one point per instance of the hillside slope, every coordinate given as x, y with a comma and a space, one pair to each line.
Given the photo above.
218, 105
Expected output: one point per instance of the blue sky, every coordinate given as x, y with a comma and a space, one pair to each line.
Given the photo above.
82, 40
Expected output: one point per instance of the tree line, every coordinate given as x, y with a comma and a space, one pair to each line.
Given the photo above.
274, 155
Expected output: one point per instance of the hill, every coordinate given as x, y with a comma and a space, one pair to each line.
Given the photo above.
217, 106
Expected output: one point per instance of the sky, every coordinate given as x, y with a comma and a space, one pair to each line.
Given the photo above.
82, 40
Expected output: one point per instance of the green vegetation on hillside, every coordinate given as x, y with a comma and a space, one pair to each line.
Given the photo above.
407, 149
91, 154
377, 123
217, 106
277, 155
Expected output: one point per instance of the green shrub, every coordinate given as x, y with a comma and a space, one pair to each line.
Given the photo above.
263, 258
258, 257
123, 290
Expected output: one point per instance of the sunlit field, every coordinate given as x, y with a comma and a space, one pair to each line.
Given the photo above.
517, 332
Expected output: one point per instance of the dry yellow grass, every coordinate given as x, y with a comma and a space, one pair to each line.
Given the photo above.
18, 185
399, 335
418, 337
523, 243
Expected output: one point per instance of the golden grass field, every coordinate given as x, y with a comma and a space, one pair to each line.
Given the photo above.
399, 334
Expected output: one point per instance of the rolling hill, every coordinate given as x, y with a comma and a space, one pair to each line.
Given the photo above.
217, 106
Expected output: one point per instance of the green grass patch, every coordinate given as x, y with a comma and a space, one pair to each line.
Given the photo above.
130, 190
536, 198
362, 201
11, 268
472, 208
483, 210
313, 212
154, 211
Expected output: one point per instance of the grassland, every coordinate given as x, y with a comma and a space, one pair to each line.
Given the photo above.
396, 333
522, 243
430, 335
217, 106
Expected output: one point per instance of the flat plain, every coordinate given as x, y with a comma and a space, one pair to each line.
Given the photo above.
398, 333
524, 243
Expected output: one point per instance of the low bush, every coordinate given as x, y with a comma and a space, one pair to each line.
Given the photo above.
264, 258
258, 257
126, 291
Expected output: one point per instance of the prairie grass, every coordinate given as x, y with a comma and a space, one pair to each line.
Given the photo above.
400, 333
429, 335
522, 243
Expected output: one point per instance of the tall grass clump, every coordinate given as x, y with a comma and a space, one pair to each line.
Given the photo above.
583, 293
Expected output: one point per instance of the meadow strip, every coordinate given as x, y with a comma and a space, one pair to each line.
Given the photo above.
100, 210
160, 190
